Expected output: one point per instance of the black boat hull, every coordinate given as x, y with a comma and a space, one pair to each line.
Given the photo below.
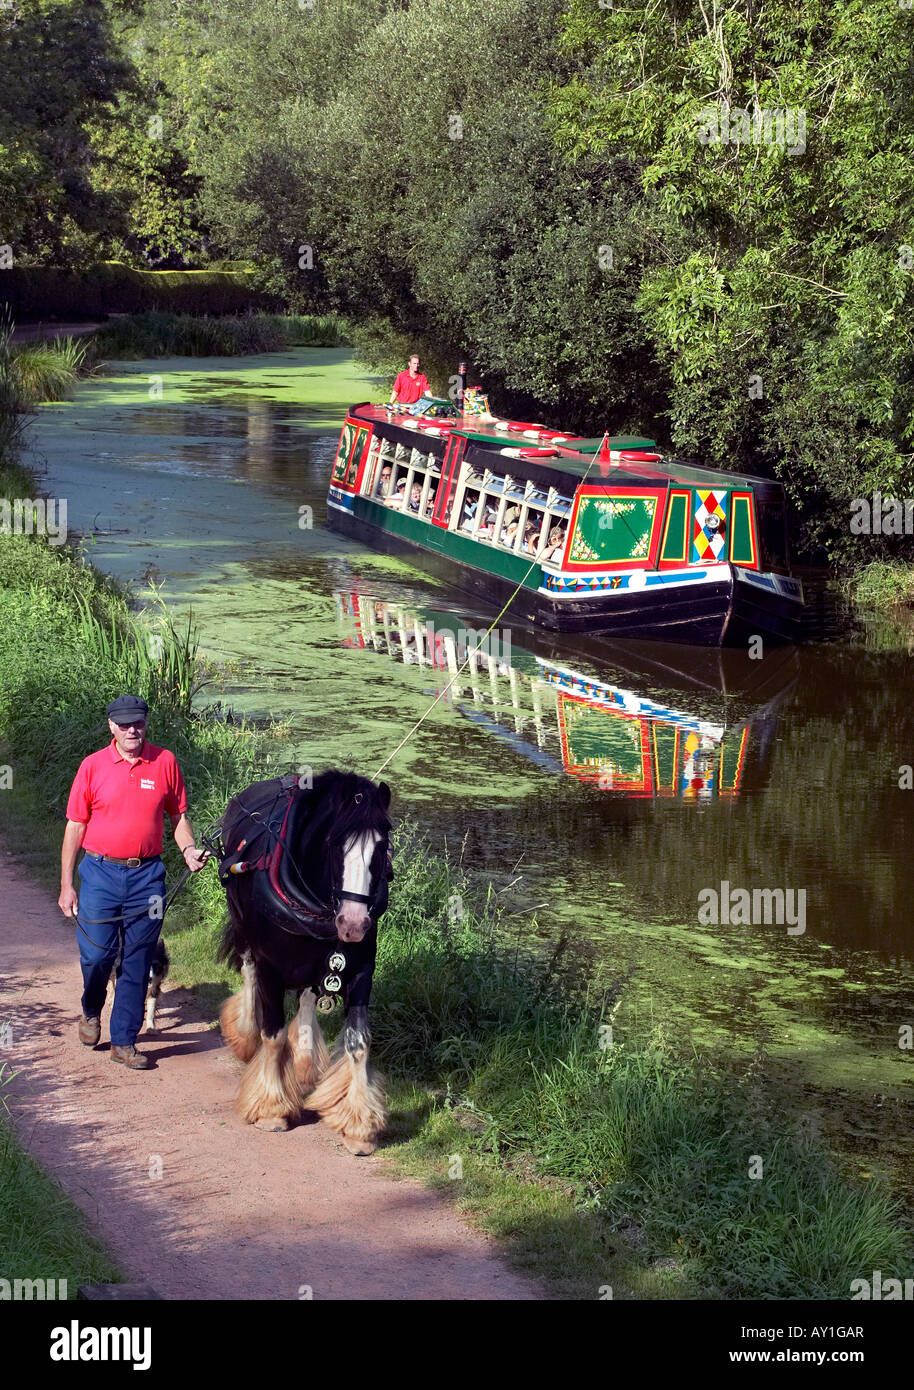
722, 613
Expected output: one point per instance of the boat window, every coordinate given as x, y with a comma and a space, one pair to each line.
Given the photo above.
488, 515
378, 462
530, 531
486, 518
399, 473
409, 490
427, 495
509, 524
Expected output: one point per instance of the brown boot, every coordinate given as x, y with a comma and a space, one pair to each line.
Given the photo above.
129, 1057
90, 1030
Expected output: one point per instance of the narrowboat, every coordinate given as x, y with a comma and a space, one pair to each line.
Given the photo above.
581, 535
610, 726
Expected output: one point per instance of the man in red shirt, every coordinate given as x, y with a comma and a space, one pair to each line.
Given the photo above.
410, 385
115, 813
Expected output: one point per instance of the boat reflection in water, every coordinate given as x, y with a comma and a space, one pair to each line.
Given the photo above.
671, 722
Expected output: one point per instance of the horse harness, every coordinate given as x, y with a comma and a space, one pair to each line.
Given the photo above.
272, 821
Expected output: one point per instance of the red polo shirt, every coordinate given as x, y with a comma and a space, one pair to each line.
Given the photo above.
410, 388
124, 803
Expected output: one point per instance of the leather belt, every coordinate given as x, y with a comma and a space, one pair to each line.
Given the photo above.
133, 862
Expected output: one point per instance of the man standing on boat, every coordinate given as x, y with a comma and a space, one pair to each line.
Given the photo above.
410, 385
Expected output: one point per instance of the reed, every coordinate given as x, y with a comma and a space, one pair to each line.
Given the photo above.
12, 401
160, 661
47, 371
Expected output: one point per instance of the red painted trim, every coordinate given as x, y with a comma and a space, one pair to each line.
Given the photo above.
621, 782
449, 470
649, 562
274, 858
752, 564
689, 514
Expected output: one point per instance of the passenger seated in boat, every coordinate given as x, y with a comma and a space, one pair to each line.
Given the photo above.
469, 512
487, 525
555, 546
509, 529
382, 487
415, 497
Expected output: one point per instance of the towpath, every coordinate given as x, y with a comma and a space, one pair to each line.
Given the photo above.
186, 1197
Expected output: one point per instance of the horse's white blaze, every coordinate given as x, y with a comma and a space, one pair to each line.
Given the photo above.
357, 862
353, 916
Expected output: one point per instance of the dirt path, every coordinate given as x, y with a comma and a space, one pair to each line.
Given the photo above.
236, 1213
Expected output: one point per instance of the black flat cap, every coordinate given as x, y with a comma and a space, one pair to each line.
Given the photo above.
126, 709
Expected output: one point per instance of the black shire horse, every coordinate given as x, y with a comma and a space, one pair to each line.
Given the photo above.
306, 873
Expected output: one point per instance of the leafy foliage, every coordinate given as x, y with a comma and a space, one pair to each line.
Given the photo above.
60, 72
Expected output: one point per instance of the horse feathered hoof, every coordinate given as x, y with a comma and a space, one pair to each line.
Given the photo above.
350, 1100
269, 1093
239, 1030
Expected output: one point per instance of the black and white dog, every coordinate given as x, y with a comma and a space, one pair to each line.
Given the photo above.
158, 969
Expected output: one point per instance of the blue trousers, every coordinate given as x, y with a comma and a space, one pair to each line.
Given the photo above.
134, 898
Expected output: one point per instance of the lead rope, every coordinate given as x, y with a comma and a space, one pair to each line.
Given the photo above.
167, 899
441, 694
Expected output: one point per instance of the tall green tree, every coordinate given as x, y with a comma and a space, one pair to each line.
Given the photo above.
773, 147
60, 70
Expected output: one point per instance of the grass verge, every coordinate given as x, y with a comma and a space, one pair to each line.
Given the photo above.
42, 1235
882, 584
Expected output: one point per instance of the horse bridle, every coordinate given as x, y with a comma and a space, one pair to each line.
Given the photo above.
325, 912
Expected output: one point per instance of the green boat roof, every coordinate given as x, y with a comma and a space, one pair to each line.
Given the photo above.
579, 446
575, 459
590, 446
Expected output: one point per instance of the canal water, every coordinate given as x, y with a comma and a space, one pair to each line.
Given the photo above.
605, 790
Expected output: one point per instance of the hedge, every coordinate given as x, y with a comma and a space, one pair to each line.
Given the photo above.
34, 293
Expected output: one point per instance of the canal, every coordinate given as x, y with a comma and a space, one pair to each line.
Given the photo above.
604, 790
